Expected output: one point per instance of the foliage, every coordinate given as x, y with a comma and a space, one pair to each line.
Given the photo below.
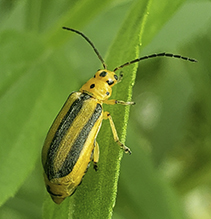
168, 172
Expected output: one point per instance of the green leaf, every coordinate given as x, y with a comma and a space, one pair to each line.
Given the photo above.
29, 87
160, 12
74, 16
143, 193
18, 110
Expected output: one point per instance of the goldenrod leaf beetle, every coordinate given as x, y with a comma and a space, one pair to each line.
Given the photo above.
71, 143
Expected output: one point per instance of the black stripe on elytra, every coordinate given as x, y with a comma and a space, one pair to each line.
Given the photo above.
61, 131
78, 145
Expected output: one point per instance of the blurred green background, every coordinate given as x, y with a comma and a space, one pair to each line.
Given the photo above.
169, 127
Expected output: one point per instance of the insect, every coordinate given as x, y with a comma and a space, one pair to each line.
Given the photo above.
71, 143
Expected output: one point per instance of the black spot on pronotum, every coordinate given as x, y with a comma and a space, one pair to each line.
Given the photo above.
92, 86
107, 93
103, 74
110, 82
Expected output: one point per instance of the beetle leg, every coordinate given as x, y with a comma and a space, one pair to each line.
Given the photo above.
106, 115
96, 155
112, 102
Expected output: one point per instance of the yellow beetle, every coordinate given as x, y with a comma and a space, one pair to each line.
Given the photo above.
71, 143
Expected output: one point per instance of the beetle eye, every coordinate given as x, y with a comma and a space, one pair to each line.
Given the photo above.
116, 77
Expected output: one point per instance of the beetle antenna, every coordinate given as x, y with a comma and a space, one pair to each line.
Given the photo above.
88, 40
156, 55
